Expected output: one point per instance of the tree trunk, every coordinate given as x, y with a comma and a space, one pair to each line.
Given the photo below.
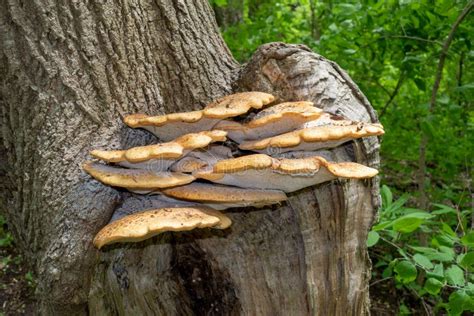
69, 71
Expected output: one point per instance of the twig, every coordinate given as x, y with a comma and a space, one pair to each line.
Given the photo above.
425, 307
382, 87
460, 68
381, 280
393, 94
416, 38
423, 201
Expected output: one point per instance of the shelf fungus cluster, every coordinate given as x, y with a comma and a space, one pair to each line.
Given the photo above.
236, 152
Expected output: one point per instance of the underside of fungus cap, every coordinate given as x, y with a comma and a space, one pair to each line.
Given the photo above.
146, 224
134, 179
314, 138
160, 157
201, 159
170, 126
275, 120
237, 104
225, 195
264, 172
135, 203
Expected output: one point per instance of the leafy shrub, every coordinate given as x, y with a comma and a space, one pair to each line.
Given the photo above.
429, 253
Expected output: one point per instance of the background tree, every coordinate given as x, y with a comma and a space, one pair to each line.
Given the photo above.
69, 72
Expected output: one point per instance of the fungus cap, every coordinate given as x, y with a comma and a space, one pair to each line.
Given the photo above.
146, 224
274, 120
171, 126
314, 138
135, 179
169, 150
225, 195
264, 172
237, 104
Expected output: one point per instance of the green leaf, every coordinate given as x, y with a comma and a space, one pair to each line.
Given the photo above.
448, 230
447, 250
440, 256
406, 271
467, 261
444, 99
423, 249
387, 196
437, 273
455, 275
433, 286
443, 209
459, 302
466, 87
410, 222
443, 240
382, 225
372, 238
420, 84
423, 261
468, 239
387, 272
397, 205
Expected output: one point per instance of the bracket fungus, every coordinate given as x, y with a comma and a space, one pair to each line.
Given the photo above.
264, 172
143, 181
191, 178
274, 120
146, 224
223, 197
314, 138
170, 126
160, 157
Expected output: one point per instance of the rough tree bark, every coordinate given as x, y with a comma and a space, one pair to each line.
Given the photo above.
70, 70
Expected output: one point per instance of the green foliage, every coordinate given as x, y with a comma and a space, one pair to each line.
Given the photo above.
391, 49
440, 271
385, 44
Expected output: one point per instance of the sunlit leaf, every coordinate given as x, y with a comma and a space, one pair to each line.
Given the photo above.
455, 275
467, 261
410, 222
423, 261
468, 239
372, 238
406, 271
433, 286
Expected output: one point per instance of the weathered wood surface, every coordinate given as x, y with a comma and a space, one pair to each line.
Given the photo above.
69, 71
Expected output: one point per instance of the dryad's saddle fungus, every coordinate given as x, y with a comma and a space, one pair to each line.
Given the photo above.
160, 157
275, 120
264, 172
170, 126
314, 138
146, 224
191, 177
223, 197
134, 179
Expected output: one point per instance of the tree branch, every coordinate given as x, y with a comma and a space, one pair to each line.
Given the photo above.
415, 38
393, 94
423, 202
